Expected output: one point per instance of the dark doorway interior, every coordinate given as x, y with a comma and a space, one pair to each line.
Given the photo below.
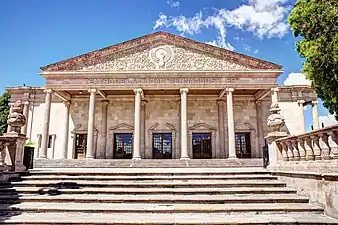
201, 145
80, 146
162, 145
243, 146
123, 146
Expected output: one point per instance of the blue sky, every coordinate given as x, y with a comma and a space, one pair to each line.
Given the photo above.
38, 32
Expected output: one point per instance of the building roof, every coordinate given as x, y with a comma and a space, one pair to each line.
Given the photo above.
94, 57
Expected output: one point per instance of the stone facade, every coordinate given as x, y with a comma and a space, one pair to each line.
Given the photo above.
160, 83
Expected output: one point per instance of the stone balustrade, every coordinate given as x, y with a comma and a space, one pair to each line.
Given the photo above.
312, 146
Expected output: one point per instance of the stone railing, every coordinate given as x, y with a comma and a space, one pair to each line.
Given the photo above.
316, 145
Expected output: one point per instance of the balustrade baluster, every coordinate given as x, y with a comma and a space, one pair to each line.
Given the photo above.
296, 153
285, 151
290, 150
302, 150
308, 149
316, 147
333, 142
324, 146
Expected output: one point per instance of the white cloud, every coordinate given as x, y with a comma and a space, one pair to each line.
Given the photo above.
173, 4
248, 48
190, 25
296, 79
264, 18
217, 43
161, 21
327, 120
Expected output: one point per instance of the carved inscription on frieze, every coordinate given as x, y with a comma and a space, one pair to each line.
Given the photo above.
162, 80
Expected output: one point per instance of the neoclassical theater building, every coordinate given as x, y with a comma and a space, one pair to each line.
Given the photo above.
159, 96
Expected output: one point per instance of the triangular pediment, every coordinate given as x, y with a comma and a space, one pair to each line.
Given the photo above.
122, 126
161, 51
202, 126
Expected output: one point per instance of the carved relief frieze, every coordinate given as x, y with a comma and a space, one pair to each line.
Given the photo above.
163, 57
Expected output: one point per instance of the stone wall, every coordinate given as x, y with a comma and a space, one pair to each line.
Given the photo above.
162, 115
245, 118
319, 183
164, 110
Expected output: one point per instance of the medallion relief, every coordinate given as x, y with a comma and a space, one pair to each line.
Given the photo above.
163, 57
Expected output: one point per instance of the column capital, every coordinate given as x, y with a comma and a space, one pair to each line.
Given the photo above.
138, 91
105, 102
92, 91
275, 89
301, 102
144, 102
48, 91
66, 103
229, 90
184, 90
26, 102
258, 102
315, 102
220, 101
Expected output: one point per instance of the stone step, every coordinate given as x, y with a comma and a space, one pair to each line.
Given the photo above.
149, 184
79, 218
150, 177
147, 163
145, 191
149, 172
164, 199
158, 208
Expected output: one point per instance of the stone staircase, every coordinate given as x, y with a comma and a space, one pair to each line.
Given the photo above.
154, 196
147, 163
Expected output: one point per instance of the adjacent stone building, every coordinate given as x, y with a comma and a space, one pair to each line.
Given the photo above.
159, 96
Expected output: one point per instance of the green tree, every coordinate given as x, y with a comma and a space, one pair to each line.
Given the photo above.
316, 22
4, 111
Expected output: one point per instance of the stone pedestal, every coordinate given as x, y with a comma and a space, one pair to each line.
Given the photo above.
274, 153
12, 151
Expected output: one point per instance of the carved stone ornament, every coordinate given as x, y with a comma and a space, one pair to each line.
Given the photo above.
275, 120
16, 119
163, 57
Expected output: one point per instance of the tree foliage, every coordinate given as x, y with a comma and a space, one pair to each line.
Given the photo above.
4, 111
316, 21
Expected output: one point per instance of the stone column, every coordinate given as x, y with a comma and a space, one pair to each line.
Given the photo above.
301, 119
221, 105
143, 128
315, 117
184, 123
274, 96
91, 117
9, 128
25, 113
231, 126
137, 125
45, 129
260, 135
102, 153
64, 149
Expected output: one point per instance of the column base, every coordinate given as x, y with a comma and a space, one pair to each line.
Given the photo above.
136, 158
20, 167
232, 157
89, 157
42, 157
185, 158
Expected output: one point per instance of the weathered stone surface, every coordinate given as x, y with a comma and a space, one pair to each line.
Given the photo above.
75, 199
